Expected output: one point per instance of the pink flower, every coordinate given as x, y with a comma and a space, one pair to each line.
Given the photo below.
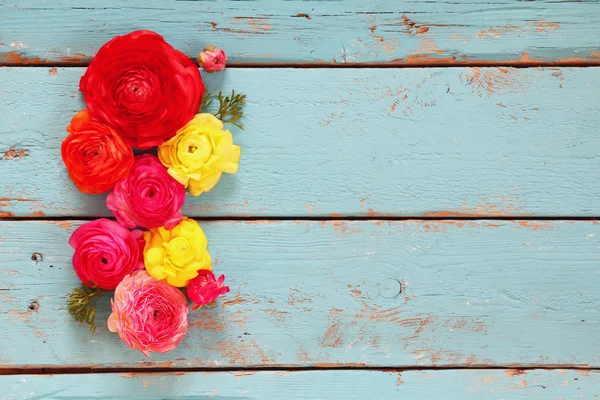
212, 59
148, 197
205, 289
149, 315
105, 252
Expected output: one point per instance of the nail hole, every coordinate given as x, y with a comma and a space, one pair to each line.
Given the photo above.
37, 257
34, 306
390, 288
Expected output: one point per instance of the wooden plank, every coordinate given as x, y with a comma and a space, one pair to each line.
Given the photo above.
333, 385
421, 32
327, 293
366, 142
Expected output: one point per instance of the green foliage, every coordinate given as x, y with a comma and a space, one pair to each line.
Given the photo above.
206, 100
82, 305
230, 107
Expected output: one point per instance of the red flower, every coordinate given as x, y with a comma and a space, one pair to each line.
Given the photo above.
143, 88
205, 289
95, 156
148, 197
105, 252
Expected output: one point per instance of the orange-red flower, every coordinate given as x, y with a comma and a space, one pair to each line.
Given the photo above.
95, 156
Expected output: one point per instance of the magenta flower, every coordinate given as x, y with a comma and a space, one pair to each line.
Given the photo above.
212, 59
148, 197
149, 315
105, 252
204, 289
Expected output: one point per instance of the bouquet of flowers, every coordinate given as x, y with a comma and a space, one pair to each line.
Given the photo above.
141, 92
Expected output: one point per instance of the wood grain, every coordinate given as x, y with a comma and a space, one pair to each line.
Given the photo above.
327, 294
334, 385
421, 32
369, 142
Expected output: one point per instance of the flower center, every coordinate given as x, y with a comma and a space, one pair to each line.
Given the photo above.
155, 314
180, 251
194, 150
104, 260
134, 90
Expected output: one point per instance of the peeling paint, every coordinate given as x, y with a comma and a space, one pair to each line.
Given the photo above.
244, 352
239, 299
515, 372
14, 154
544, 26
498, 206
256, 25
334, 335
536, 226
17, 58
493, 80
496, 32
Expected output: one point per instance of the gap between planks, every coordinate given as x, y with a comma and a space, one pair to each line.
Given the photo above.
71, 370
428, 63
442, 216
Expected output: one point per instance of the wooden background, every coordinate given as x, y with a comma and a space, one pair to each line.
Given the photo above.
415, 212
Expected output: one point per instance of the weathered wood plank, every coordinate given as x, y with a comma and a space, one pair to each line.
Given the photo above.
310, 293
368, 142
404, 33
333, 385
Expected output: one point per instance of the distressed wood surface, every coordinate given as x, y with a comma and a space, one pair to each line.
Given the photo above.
330, 32
363, 142
327, 294
313, 385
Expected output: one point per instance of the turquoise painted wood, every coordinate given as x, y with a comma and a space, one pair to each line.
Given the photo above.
316, 385
360, 142
327, 294
355, 31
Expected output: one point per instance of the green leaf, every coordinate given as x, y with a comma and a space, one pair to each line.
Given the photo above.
82, 305
206, 101
230, 107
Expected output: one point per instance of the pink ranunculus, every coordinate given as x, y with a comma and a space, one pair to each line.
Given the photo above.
148, 197
149, 315
105, 252
212, 59
204, 289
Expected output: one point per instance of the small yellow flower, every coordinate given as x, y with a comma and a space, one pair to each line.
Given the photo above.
199, 153
176, 255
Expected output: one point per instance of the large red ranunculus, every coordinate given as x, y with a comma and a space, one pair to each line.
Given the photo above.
143, 88
95, 156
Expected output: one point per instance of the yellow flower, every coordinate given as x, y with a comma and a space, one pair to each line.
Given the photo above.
178, 254
199, 153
